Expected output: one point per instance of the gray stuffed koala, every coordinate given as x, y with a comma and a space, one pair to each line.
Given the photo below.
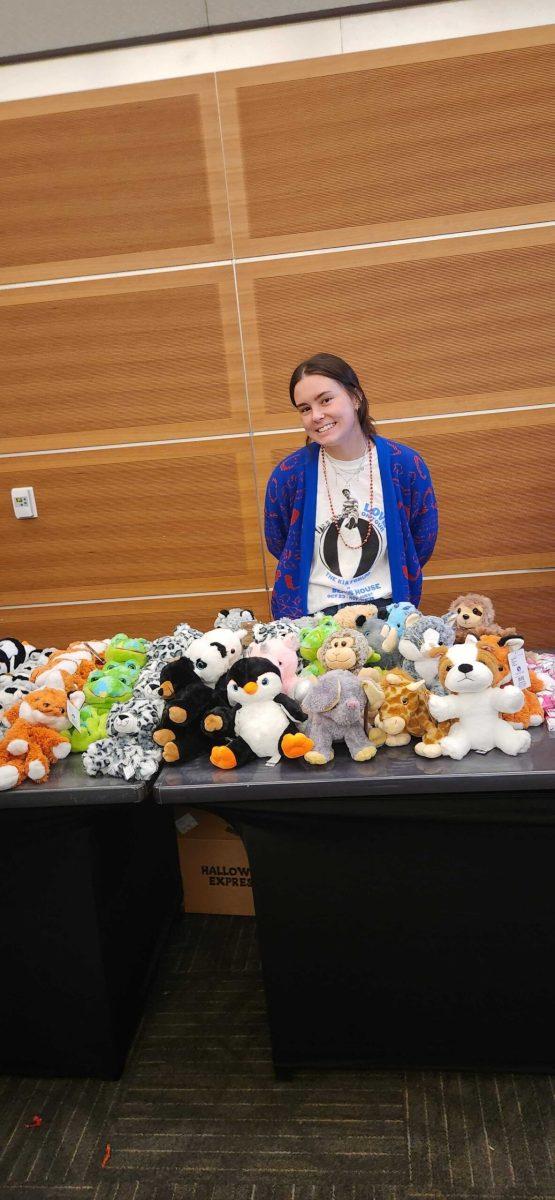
335, 707
419, 646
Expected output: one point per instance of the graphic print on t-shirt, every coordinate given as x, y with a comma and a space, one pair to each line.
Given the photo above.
349, 573
353, 560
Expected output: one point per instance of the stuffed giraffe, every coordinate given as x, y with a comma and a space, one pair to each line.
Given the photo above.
404, 711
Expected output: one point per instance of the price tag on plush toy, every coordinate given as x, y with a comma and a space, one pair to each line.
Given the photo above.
74, 714
519, 668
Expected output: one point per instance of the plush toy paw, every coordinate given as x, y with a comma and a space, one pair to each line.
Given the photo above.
162, 736
36, 770
212, 723
166, 689
223, 757
428, 749
378, 737
365, 754
317, 759
177, 714
62, 750
451, 749
170, 752
18, 746
295, 745
397, 739
8, 777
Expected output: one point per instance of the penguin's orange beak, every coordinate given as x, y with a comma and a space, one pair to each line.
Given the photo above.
251, 688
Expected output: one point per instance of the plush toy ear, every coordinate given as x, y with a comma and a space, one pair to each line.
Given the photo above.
514, 643
412, 619
390, 639
374, 692
471, 638
414, 687
320, 655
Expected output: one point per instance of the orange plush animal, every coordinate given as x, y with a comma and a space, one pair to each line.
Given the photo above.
531, 712
35, 738
69, 669
404, 711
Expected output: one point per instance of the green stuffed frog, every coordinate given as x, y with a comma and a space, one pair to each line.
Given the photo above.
114, 682
93, 728
123, 649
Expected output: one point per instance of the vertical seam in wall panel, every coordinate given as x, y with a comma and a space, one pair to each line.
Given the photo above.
242, 344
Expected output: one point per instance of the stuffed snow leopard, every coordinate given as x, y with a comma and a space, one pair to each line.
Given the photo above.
128, 752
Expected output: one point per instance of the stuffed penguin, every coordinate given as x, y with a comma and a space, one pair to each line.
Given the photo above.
265, 719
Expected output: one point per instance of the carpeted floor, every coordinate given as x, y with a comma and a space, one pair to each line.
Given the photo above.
198, 1114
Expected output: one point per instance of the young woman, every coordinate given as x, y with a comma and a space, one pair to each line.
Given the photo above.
352, 517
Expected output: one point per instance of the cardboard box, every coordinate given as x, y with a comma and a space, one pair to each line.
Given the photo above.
215, 869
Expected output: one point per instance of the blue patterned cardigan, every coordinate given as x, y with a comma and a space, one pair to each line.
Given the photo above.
290, 520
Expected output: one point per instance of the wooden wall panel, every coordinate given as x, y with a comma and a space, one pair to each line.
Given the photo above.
121, 360
443, 326
526, 601
59, 625
137, 521
112, 179
495, 511
415, 139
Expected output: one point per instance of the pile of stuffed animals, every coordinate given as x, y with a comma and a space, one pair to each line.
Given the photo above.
280, 689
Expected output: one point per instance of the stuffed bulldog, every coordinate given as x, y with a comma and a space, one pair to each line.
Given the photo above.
475, 704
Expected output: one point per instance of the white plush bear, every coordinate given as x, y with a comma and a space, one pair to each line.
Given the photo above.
468, 671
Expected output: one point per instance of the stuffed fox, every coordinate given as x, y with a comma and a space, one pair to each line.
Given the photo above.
35, 738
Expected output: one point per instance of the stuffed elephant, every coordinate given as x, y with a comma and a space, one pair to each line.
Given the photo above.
335, 708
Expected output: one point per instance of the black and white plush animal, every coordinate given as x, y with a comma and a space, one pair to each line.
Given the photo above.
128, 751
148, 683
214, 653
190, 685
17, 684
265, 721
12, 654
173, 645
186, 634
264, 631
234, 618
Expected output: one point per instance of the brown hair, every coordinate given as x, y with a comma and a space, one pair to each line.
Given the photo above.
335, 368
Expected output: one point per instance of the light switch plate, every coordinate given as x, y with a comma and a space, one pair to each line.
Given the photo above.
24, 503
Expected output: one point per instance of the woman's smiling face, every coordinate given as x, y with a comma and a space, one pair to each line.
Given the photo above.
329, 415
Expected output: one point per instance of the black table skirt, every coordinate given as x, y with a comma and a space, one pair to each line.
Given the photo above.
405, 907
88, 884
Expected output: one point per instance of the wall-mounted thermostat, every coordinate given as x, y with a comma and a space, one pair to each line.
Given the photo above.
24, 503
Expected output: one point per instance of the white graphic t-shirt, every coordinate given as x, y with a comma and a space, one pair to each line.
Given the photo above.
339, 574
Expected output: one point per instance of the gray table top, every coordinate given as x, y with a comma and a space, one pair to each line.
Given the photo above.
69, 786
393, 772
